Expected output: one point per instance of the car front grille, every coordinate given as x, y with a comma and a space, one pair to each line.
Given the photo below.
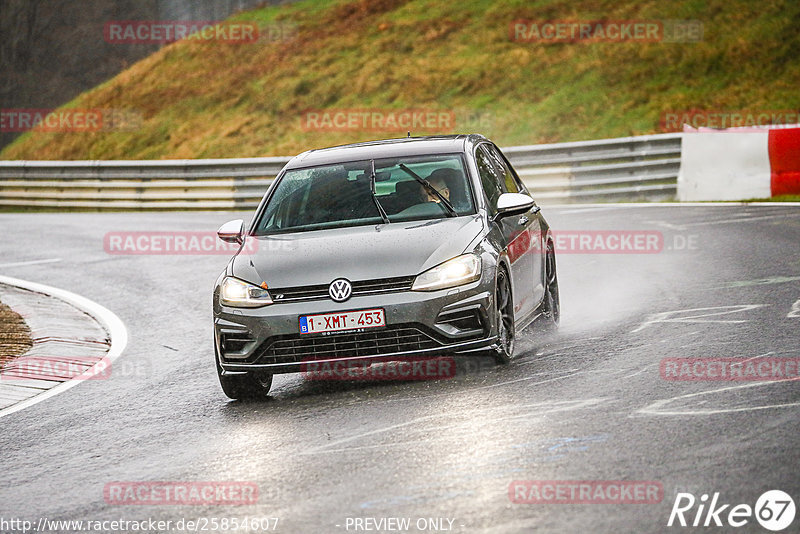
362, 287
375, 342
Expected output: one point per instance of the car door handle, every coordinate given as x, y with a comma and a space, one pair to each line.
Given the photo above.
522, 220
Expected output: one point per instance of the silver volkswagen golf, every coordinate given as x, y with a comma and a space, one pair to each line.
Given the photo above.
385, 250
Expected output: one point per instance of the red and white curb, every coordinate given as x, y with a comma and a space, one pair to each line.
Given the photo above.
65, 327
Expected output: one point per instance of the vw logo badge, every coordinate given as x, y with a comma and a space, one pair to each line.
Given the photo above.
340, 290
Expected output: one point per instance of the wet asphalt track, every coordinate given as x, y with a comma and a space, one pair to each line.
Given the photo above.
585, 404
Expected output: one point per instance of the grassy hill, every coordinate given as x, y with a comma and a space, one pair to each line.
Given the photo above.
210, 99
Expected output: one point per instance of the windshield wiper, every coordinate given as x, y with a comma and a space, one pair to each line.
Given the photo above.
451, 212
375, 197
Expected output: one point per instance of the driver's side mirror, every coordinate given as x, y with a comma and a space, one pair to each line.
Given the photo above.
509, 204
232, 231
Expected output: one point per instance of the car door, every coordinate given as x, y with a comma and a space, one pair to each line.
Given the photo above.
514, 230
530, 223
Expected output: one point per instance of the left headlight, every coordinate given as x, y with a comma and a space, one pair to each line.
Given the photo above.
456, 272
240, 294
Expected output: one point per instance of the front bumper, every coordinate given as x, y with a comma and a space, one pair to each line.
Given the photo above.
449, 321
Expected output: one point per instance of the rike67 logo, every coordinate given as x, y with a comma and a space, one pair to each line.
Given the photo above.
774, 510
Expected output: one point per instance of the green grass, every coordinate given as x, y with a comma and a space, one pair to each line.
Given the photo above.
236, 100
779, 198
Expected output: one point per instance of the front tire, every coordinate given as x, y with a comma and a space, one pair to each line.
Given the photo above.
551, 307
504, 318
253, 385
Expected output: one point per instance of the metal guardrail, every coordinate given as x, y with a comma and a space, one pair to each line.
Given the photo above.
642, 168
161, 184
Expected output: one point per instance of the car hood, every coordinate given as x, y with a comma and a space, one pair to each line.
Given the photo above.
356, 253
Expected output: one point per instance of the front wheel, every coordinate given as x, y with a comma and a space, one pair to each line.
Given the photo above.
253, 385
504, 317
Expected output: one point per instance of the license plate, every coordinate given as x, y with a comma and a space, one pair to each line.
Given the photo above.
336, 322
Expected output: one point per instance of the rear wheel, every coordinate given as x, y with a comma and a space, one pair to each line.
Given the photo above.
253, 385
504, 317
551, 307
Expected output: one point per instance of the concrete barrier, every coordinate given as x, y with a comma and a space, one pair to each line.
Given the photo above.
739, 164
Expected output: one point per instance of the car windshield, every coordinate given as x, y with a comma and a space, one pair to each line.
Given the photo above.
333, 196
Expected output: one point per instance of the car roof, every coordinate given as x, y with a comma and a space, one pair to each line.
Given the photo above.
386, 148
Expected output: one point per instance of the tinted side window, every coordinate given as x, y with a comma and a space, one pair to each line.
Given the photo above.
509, 182
491, 178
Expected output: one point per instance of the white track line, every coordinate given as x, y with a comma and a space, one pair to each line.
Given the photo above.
655, 408
741, 219
33, 262
115, 327
667, 204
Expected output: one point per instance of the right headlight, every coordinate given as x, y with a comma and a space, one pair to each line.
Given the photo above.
240, 294
455, 272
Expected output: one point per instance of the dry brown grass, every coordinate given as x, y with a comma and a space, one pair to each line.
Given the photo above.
15, 336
